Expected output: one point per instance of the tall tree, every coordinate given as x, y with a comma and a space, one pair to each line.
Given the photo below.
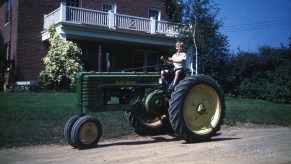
199, 30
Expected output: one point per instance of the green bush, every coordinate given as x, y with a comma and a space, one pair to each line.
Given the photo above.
264, 75
61, 63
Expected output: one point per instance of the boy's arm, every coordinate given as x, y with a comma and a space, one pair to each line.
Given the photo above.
169, 60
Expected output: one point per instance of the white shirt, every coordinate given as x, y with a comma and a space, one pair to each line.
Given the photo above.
179, 56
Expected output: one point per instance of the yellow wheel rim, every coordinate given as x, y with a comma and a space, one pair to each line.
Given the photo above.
201, 109
88, 133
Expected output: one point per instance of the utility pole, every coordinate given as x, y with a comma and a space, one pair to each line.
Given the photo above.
196, 52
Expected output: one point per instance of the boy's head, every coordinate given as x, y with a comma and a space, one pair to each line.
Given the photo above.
179, 43
179, 46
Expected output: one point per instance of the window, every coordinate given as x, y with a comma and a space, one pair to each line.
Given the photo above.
155, 13
152, 60
108, 6
144, 61
138, 60
74, 3
7, 50
8, 12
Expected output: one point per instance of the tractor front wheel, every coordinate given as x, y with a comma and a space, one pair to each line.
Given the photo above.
68, 128
86, 132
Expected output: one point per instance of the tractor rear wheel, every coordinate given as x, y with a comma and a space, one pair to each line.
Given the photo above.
197, 108
86, 132
144, 126
68, 128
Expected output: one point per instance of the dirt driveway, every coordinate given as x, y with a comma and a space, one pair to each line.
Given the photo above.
255, 145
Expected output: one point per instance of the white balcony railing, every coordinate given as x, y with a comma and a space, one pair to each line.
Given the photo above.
86, 16
132, 23
52, 18
166, 27
110, 20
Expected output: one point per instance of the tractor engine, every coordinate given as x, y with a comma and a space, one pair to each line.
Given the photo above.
122, 95
156, 103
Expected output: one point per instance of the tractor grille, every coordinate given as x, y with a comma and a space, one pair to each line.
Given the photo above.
90, 94
88, 90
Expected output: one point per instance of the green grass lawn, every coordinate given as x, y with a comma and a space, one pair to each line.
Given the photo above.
257, 112
38, 118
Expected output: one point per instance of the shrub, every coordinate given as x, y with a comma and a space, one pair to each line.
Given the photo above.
266, 75
61, 63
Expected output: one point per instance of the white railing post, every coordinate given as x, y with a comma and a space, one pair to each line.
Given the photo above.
63, 12
111, 23
44, 21
153, 25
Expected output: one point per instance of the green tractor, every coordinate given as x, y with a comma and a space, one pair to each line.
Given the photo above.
194, 111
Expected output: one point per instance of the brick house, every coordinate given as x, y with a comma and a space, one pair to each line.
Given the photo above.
128, 33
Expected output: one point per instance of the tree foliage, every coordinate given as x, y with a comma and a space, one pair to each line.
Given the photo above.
262, 75
173, 9
61, 63
199, 25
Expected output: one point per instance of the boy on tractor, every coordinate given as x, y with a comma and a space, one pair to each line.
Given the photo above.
180, 61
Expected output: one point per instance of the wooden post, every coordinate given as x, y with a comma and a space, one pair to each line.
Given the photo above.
99, 59
108, 62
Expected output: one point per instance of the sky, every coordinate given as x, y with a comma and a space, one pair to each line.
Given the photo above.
250, 24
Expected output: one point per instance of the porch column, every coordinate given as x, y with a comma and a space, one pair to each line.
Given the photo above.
99, 59
145, 62
63, 37
108, 62
62, 34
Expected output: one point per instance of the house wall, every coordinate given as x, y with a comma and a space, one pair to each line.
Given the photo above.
9, 36
31, 49
139, 8
24, 31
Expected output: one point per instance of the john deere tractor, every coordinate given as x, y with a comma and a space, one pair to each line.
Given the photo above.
194, 111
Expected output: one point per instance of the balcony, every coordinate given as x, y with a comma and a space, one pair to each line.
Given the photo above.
111, 21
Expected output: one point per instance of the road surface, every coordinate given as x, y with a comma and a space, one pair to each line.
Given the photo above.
254, 145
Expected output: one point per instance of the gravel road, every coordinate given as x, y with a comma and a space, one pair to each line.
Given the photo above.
239, 145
